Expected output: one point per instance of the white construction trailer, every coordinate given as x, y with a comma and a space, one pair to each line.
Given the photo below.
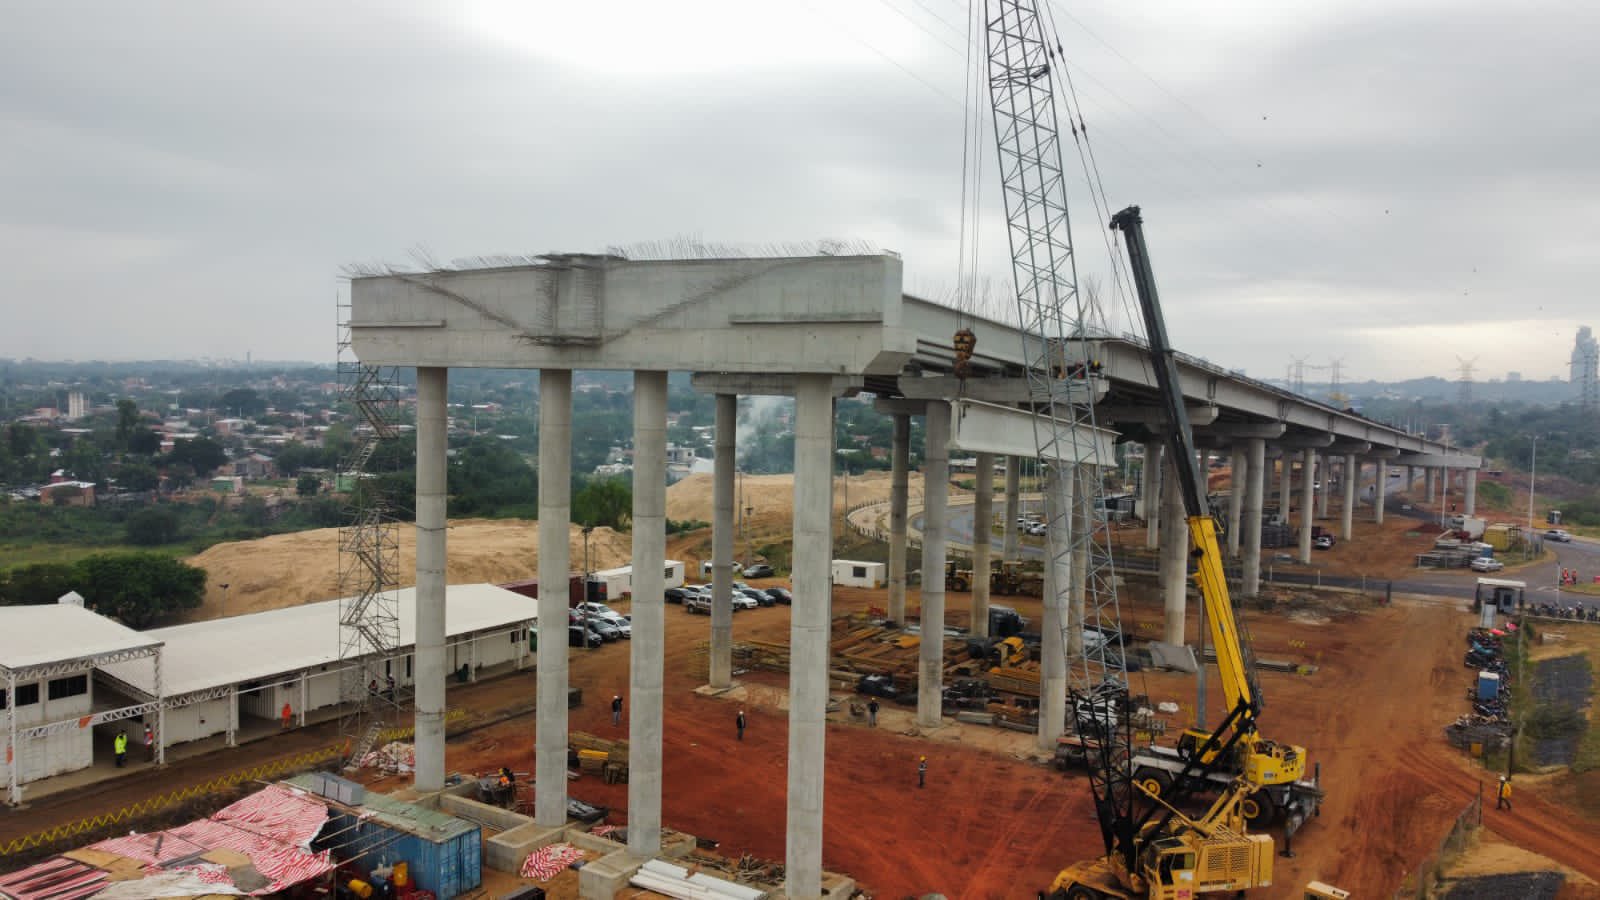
854, 573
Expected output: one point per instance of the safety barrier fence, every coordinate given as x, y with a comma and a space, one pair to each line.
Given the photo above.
268, 770
1422, 882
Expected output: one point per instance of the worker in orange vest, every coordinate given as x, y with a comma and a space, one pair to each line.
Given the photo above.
287, 715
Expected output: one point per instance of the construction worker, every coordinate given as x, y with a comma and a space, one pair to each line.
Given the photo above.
120, 745
286, 715
616, 710
1503, 795
922, 772
506, 786
149, 742
739, 723
872, 712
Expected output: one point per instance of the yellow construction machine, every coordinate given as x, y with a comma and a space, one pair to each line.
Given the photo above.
956, 579
1178, 857
1008, 653
1277, 769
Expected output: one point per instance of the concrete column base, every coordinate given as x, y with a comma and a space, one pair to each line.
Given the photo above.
833, 885
603, 878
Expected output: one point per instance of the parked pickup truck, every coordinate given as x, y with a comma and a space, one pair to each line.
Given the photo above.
697, 603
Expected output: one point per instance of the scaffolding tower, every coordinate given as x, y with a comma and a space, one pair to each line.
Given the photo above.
370, 696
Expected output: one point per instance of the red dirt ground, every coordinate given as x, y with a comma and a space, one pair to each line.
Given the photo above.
1389, 680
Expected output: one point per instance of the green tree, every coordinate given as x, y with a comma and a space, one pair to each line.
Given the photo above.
202, 455
127, 421
140, 589
144, 442
603, 501
296, 456
152, 527
253, 511
37, 583
308, 485
243, 402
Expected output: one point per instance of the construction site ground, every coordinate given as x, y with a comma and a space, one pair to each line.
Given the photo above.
993, 821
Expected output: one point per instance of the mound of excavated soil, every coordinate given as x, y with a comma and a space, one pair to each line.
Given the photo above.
290, 569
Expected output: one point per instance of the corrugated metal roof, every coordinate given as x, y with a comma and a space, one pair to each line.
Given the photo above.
260, 645
53, 632
429, 824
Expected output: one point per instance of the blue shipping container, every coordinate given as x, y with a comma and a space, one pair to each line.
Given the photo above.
444, 854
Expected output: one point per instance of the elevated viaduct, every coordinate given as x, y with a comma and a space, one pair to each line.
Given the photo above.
814, 328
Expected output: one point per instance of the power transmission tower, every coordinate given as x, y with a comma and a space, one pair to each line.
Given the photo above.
1464, 380
369, 553
1295, 375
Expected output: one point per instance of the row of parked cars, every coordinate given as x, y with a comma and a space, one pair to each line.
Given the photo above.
696, 598
592, 623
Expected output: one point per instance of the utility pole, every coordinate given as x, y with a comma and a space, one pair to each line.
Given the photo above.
1533, 474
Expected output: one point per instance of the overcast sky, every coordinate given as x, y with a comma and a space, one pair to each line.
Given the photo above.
1392, 183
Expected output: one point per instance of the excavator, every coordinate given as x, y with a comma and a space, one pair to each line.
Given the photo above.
1276, 769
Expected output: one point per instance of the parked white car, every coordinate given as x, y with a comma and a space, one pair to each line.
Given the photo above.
1486, 564
598, 611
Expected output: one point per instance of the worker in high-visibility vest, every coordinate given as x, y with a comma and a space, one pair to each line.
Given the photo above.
1503, 796
120, 745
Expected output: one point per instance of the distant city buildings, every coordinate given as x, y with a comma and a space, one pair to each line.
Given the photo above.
1585, 377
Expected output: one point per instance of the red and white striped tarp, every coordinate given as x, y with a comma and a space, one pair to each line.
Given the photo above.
547, 862
273, 827
57, 878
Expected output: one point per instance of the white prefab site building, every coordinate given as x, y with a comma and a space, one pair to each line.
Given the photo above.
854, 573
48, 656
222, 673
619, 581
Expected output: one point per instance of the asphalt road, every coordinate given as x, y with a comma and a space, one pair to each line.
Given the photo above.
1579, 554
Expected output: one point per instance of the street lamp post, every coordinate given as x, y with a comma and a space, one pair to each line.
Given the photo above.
1533, 474
586, 530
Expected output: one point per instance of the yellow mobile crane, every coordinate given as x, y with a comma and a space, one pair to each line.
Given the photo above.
1276, 769
1152, 850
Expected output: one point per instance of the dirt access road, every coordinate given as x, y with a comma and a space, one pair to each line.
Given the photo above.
991, 825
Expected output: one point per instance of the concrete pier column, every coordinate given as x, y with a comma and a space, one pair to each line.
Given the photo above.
1469, 493
982, 536
1379, 485
1237, 469
1429, 483
1255, 486
1053, 631
432, 385
1009, 547
647, 649
1411, 477
899, 492
1082, 529
1325, 477
555, 515
1308, 465
1352, 477
1174, 556
725, 462
809, 630
935, 500
1151, 481
1285, 484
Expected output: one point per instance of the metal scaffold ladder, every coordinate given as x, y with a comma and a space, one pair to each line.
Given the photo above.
369, 551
